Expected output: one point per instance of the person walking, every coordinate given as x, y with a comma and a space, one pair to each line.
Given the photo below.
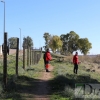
75, 62
48, 58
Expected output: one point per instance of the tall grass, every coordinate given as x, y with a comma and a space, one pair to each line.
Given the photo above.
16, 86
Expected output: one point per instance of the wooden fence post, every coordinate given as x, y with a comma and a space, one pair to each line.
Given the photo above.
23, 57
34, 57
37, 58
5, 61
41, 52
30, 55
17, 53
40, 55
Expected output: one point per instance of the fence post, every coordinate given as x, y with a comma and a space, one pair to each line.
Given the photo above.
34, 56
5, 60
39, 55
41, 52
23, 57
37, 58
30, 56
17, 51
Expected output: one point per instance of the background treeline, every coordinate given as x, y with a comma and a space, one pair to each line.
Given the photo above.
27, 42
66, 44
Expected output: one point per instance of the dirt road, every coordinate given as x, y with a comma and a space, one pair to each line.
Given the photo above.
42, 91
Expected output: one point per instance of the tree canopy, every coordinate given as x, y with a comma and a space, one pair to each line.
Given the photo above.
12, 42
84, 45
67, 43
27, 42
46, 36
55, 43
70, 42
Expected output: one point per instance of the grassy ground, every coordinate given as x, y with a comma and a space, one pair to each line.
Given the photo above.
63, 83
21, 87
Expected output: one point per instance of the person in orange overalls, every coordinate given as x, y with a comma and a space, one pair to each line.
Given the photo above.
48, 58
75, 62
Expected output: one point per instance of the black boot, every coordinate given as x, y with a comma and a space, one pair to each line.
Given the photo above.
47, 70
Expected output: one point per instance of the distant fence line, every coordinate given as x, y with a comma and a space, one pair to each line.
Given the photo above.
33, 56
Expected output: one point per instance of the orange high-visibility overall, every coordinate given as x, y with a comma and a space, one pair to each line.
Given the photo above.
48, 58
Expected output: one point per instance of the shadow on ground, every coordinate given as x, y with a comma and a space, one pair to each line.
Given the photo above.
65, 85
26, 87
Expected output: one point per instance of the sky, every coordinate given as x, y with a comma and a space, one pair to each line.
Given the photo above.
35, 17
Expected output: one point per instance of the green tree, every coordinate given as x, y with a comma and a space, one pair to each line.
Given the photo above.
64, 45
47, 39
70, 42
27, 42
55, 43
12, 42
84, 45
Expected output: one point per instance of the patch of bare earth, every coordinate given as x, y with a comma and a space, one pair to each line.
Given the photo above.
43, 89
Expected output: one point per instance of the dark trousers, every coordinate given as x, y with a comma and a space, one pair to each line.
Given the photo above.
47, 66
45, 62
75, 68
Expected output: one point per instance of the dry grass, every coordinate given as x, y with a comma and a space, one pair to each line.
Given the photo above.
89, 59
90, 63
